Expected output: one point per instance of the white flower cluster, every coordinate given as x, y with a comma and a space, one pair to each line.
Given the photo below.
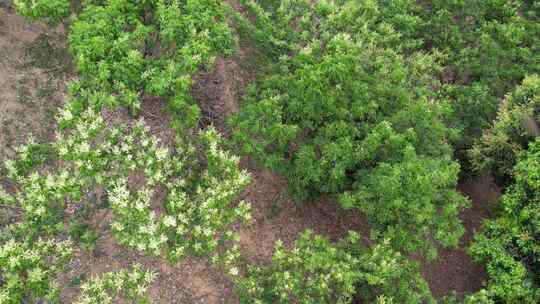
42, 198
199, 217
131, 166
135, 224
130, 285
198, 201
29, 269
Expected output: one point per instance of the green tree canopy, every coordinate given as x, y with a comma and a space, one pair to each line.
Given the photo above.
126, 49
510, 244
488, 47
515, 127
345, 115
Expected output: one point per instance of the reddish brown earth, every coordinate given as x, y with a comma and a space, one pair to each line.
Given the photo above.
275, 215
454, 270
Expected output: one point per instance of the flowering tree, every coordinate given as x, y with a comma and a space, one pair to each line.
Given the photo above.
29, 269
129, 284
91, 156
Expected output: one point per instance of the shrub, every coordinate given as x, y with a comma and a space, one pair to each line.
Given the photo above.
316, 271
29, 269
53, 11
489, 46
95, 156
344, 115
125, 49
91, 157
509, 244
516, 125
108, 288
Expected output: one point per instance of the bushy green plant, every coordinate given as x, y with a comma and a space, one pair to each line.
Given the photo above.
313, 272
53, 11
316, 271
485, 48
387, 274
344, 115
91, 156
29, 269
125, 49
490, 42
412, 203
489, 46
479, 297
108, 288
285, 27
509, 244
516, 125
84, 235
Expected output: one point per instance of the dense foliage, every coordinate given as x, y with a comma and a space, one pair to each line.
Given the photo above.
509, 244
29, 269
316, 271
489, 46
516, 125
348, 116
484, 47
365, 101
51, 10
313, 271
125, 50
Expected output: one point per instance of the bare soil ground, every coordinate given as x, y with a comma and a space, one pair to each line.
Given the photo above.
454, 270
25, 72
33, 68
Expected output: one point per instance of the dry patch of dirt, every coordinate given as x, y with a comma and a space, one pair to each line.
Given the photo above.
277, 217
31, 91
217, 92
454, 270
189, 282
